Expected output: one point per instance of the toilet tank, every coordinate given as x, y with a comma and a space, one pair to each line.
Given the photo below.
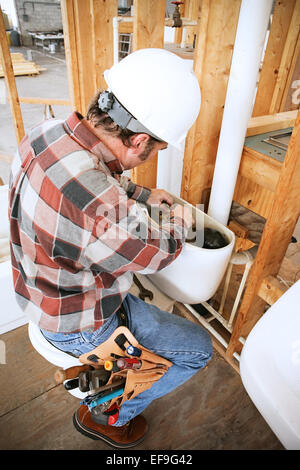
270, 367
197, 272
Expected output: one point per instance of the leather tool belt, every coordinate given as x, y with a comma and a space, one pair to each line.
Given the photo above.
123, 345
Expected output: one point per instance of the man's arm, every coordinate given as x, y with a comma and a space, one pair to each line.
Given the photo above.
124, 239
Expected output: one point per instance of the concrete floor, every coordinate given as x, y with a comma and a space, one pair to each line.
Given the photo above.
211, 411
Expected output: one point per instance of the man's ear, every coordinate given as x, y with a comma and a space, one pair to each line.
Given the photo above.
139, 141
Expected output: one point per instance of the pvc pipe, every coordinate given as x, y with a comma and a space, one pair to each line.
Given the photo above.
247, 53
207, 325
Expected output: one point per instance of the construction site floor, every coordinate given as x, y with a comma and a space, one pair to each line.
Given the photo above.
211, 411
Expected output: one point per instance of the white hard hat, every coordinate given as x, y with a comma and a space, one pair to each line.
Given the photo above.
159, 89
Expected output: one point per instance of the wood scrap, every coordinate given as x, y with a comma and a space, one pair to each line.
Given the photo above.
21, 66
243, 244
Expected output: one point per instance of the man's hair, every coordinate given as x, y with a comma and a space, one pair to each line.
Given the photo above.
101, 119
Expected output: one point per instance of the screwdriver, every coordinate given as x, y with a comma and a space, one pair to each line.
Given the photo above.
129, 363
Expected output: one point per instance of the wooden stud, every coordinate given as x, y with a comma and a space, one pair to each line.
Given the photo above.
148, 24
86, 66
148, 31
10, 82
276, 237
282, 15
191, 11
68, 20
88, 35
271, 289
51, 101
102, 13
212, 61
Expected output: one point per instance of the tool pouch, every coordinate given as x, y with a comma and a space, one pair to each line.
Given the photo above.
153, 367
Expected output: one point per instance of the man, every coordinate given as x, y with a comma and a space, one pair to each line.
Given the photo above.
78, 234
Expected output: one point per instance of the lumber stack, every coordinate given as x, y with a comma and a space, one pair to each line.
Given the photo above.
21, 66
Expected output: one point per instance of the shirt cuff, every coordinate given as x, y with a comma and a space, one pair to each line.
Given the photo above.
136, 192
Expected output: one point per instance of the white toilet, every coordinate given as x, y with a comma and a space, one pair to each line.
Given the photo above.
197, 272
270, 367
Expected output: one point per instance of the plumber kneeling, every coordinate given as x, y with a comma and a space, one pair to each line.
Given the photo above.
78, 236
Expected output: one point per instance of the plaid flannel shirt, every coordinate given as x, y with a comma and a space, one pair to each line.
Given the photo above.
77, 233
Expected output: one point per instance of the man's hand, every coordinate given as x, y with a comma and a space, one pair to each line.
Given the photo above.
185, 213
159, 196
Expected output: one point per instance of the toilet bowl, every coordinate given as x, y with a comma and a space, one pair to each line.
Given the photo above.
197, 272
270, 367
52, 354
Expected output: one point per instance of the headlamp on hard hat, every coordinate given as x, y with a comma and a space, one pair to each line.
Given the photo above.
109, 104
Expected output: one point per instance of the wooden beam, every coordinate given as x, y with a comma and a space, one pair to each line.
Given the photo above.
288, 62
148, 31
88, 35
276, 237
282, 15
102, 13
148, 24
68, 21
271, 122
212, 62
191, 11
260, 169
271, 289
10, 82
51, 101
86, 65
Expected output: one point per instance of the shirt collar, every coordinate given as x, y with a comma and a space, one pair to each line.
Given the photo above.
88, 140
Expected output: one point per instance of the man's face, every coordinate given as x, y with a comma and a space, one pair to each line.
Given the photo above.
146, 151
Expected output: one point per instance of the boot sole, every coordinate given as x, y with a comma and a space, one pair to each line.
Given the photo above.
98, 436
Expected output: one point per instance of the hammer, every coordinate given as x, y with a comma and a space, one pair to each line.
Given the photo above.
143, 292
64, 374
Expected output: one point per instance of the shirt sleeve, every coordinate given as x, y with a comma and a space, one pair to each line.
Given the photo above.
134, 191
125, 239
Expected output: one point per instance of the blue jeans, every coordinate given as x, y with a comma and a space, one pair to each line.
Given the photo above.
186, 344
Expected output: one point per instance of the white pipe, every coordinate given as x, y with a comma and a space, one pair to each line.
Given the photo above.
211, 329
247, 53
217, 315
207, 325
